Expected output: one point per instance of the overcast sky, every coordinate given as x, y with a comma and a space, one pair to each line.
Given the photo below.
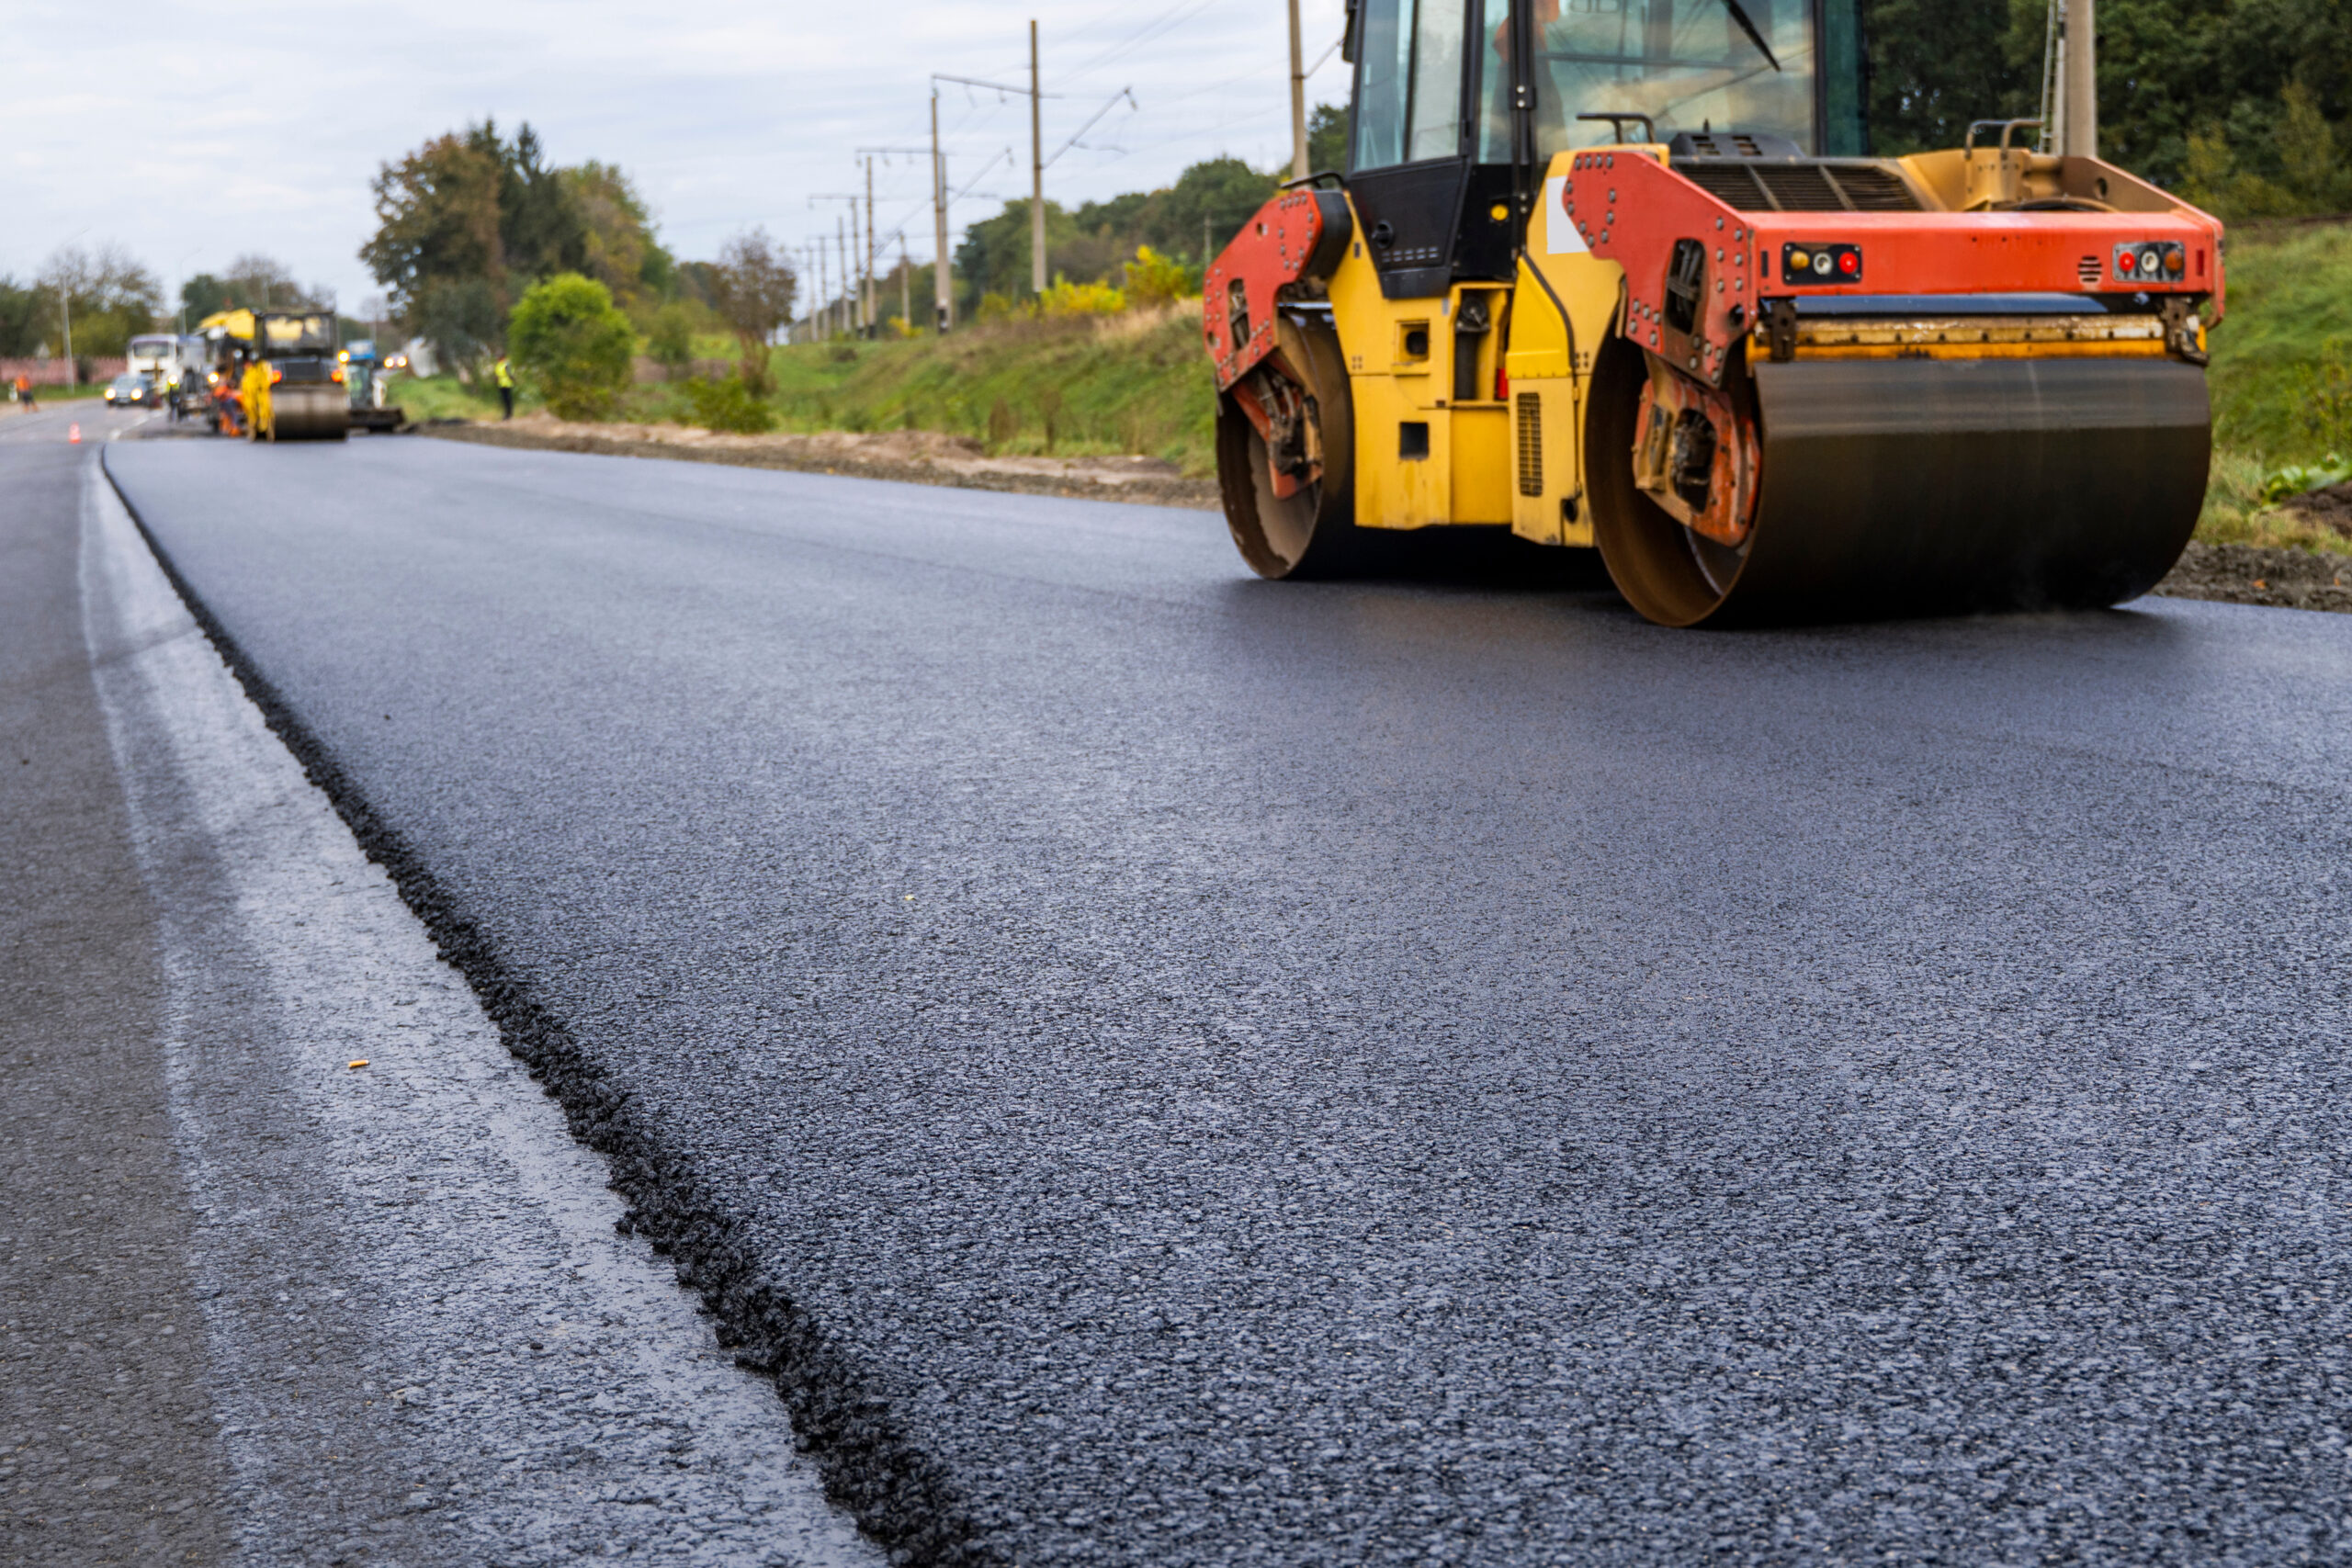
190, 133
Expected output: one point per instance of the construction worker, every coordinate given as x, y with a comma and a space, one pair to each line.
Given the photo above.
24, 391
505, 379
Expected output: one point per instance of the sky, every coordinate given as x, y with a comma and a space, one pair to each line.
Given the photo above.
191, 135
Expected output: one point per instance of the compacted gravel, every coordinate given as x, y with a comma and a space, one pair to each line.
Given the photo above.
1166, 1068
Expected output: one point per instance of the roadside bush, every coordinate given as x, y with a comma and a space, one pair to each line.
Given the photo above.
569, 335
1067, 299
670, 339
1154, 279
729, 405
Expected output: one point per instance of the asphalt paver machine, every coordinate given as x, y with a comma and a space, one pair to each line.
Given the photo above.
1622, 275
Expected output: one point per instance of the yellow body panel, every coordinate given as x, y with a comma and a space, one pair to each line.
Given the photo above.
1424, 459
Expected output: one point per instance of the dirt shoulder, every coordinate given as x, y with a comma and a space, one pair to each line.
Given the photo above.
2249, 574
916, 456
2236, 574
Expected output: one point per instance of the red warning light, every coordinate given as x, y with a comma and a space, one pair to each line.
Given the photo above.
2125, 260
1849, 261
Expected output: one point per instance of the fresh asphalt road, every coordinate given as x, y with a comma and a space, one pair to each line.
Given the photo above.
1241, 1073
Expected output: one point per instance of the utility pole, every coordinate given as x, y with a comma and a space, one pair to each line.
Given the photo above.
906, 286
942, 291
849, 298
1298, 170
869, 244
65, 314
1036, 170
2081, 112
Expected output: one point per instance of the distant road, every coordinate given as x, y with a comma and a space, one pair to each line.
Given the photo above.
1177, 1069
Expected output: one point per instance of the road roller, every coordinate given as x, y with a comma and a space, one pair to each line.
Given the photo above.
293, 381
1625, 276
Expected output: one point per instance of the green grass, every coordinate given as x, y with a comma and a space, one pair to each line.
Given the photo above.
1080, 387
2281, 376
88, 390
444, 397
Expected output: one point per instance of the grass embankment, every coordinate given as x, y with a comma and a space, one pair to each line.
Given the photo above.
1101, 385
2281, 376
1083, 386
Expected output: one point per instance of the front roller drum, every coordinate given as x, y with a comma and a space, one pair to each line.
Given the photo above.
1311, 531
309, 413
1920, 487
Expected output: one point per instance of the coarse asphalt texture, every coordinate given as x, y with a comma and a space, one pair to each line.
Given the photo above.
1175, 1069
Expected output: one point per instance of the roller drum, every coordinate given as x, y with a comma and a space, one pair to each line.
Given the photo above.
310, 413
1918, 487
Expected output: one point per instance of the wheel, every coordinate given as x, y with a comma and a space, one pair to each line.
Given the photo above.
1310, 533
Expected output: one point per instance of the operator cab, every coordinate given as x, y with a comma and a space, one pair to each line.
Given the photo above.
1430, 164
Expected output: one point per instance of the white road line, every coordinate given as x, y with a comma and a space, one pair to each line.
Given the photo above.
429, 1345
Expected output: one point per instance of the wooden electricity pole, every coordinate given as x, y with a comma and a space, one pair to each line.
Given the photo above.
869, 242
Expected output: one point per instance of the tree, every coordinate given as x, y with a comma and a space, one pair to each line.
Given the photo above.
19, 319
1327, 139
752, 286
253, 282
619, 247
464, 223
108, 295
569, 335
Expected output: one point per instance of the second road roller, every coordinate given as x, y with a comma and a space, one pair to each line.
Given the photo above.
293, 382
1625, 278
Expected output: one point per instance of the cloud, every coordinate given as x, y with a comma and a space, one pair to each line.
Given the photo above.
191, 136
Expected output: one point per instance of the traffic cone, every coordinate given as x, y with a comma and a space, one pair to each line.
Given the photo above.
74, 434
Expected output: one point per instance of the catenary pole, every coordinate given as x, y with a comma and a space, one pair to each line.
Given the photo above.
869, 242
943, 289
1036, 170
1298, 170
2082, 81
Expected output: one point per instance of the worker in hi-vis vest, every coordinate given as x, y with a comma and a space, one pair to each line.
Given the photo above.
505, 376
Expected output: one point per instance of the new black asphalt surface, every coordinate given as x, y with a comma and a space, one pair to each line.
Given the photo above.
1175, 1069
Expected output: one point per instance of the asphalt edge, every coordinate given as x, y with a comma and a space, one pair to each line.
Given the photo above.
897, 1493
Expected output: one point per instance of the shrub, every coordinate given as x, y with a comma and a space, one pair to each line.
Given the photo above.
569, 335
670, 339
1154, 279
729, 405
1067, 299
